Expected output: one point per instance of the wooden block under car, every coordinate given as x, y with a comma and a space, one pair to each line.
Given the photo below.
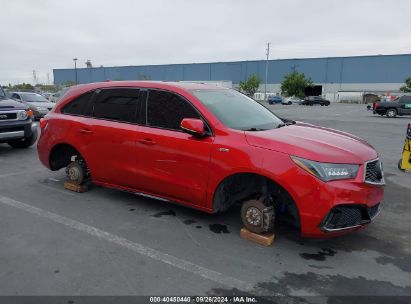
265, 239
75, 187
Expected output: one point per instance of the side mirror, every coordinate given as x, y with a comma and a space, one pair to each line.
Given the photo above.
193, 127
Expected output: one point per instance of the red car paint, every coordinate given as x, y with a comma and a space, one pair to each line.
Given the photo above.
179, 167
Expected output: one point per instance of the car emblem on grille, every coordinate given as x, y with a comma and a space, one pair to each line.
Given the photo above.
3, 116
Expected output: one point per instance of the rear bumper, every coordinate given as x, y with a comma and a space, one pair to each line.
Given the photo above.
379, 111
15, 130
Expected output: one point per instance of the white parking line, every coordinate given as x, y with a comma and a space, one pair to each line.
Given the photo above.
198, 270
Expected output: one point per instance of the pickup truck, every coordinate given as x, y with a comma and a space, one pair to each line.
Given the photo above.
399, 106
16, 125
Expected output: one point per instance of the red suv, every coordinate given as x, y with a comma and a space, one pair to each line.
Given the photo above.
208, 148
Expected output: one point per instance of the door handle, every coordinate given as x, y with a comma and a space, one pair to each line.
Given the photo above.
85, 131
147, 141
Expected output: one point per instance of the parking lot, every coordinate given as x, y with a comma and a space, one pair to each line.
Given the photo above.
108, 242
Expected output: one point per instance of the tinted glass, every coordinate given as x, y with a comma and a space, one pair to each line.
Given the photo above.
2, 94
405, 99
167, 110
78, 106
32, 97
237, 111
117, 104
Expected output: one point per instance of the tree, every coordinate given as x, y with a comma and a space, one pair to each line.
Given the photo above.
69, 83
407, 87
294, 84
23, 87
250, 86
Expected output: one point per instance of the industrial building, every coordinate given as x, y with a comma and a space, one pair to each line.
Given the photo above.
334, 77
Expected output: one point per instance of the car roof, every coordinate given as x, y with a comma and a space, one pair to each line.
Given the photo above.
150, 84
25, 93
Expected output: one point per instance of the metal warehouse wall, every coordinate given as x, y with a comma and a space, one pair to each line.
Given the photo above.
361, 69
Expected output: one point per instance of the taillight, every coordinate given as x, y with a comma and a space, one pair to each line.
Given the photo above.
43, 123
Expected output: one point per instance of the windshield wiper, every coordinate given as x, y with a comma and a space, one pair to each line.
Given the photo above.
255, 129
286, 123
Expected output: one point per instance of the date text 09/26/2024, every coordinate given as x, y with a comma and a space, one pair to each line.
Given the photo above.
204, 299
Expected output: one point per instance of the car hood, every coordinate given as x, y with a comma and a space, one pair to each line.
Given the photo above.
7, 104
41, 104
314, 143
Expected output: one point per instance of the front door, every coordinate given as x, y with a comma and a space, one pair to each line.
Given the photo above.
170, 162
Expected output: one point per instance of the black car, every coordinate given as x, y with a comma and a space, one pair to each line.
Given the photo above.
312, 100
399, 106
16, 125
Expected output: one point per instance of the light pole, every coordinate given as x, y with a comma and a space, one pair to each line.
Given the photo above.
75, 69
266, 71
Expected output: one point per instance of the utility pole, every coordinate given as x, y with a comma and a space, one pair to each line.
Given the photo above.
266, 71
34, 77
75, 69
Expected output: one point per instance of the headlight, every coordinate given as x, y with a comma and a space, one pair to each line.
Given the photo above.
327, 171
22, 115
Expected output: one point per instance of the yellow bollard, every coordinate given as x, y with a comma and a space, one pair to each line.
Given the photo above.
405, 162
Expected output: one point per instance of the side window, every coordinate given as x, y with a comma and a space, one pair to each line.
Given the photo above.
15, 96
117, 104
78, 106
405, 99
167, 110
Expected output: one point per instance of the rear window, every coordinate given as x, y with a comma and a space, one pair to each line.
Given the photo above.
117, 104
78, 106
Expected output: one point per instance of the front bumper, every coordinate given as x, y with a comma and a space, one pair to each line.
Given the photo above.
15, 130
349, 217
335, 208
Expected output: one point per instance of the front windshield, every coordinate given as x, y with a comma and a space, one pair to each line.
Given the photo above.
32, 97
2, 94
237, 111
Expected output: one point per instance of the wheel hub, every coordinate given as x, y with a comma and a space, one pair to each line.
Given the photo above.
254, 216
73, 173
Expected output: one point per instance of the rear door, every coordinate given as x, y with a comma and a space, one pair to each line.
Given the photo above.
110, 135
170, 162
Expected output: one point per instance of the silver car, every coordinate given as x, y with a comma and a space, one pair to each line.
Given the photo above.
292, 100
36, 102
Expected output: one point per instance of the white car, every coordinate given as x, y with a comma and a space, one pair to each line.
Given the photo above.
291, 100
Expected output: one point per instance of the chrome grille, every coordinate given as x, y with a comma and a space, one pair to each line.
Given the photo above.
8, 116
373, 172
